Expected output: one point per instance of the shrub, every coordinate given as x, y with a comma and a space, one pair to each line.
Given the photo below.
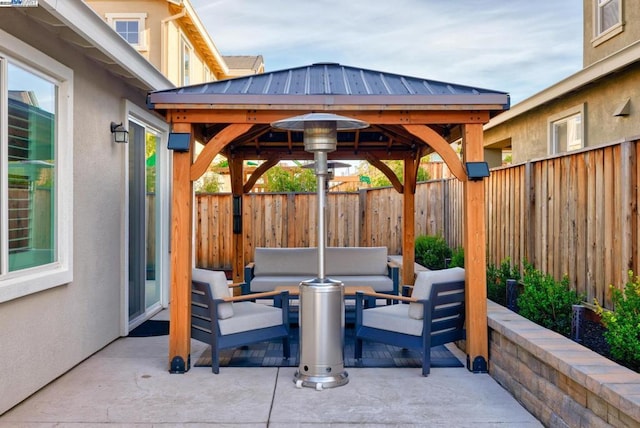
431, 251
623, 323
497, 277
457, 258
546, 301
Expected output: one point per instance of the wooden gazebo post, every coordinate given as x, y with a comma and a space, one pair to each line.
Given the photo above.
409, 220
475, 257
181, 231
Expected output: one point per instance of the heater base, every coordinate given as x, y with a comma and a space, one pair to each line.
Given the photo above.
320, 382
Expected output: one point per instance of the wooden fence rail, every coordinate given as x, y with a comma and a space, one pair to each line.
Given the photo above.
573, 214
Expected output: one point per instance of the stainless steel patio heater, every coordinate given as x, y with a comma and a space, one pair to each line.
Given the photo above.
321, 318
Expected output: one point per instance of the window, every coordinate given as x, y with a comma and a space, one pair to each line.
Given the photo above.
36, 171
131, 26
185, 61
566, 131
607, 19
129, 30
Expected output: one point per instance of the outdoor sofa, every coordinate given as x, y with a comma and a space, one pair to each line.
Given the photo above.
354, 266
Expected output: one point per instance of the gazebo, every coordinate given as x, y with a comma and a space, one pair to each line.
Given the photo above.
408, 118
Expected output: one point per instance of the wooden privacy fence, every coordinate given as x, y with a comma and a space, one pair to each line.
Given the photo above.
573, 214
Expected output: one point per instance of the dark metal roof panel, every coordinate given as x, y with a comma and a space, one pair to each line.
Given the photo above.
331, 79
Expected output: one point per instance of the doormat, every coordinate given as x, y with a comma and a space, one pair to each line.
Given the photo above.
374, 354
151, 328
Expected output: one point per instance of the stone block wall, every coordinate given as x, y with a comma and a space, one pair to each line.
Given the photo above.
559, 381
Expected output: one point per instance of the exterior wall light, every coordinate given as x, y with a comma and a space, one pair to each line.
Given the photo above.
120, 135
477, 170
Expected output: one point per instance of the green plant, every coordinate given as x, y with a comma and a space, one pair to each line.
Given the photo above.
431, 251
457, 257
546, 301
497, 277
295, 179
623, 323
209, 183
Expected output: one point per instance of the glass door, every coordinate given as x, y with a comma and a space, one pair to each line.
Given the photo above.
144, 229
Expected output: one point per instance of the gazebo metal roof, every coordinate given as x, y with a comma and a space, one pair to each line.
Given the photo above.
312, 84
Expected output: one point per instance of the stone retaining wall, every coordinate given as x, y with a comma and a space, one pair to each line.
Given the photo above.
559, 381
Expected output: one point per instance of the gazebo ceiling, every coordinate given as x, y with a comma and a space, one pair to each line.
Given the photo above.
385, 100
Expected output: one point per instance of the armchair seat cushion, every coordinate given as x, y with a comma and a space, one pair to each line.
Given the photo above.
250, 316
392, 318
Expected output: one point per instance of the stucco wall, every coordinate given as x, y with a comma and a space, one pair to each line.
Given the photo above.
45, 334
595, 50
528, 132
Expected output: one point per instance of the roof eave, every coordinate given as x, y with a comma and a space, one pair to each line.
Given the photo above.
96, 33
164, 100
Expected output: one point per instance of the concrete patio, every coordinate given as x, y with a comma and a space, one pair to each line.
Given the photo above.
127, 384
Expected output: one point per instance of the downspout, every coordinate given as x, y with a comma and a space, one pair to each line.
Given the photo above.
164, 58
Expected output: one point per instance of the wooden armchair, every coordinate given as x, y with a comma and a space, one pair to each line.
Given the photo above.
225, 321
432, 316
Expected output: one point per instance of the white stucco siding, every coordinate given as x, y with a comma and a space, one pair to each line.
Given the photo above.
45, 334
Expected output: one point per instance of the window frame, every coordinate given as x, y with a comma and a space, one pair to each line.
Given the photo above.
186, 67
141, 18
32, 280
564, 116
600, 37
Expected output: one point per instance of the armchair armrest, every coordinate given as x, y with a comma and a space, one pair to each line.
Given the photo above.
406, 299
407, 290
253, 296
394, 273
248, 276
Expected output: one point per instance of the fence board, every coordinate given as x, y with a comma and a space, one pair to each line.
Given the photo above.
575, 214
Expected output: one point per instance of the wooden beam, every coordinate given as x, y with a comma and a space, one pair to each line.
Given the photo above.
261, 169
180, 288
381, 116
408, 221
237, 177
214, 146
475, 257
388, 172
441, 146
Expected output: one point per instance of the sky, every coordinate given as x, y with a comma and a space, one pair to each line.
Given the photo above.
515, 46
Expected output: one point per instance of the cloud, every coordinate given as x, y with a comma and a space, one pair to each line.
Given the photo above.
519, 46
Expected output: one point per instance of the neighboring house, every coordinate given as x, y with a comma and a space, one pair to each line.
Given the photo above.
171, 36
80, 253
243, 65
597, 105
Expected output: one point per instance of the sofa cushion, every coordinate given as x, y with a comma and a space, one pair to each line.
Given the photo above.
356, 261
286, 261
379, 283
250, 316
422, 287
219, 288
270, 282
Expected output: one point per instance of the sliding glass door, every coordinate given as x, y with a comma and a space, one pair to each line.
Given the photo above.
145, 235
